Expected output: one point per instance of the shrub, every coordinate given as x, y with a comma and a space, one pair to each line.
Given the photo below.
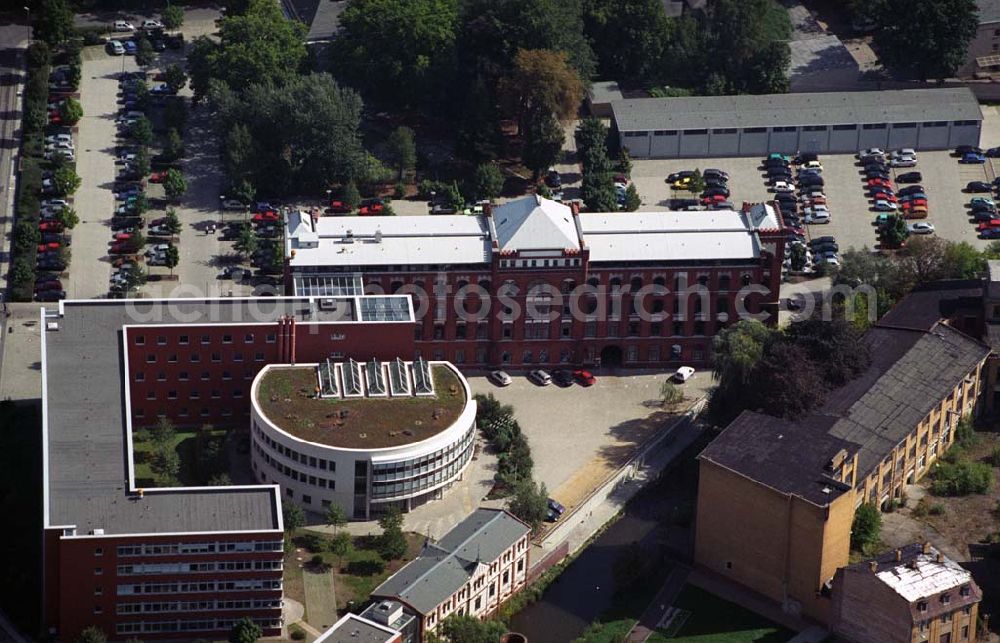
71, 111
866, 528
962, 478
937, 509
297, 633
995, 457
312, 542
399, 191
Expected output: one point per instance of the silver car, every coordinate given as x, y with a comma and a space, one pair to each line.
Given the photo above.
500, 378
540, 377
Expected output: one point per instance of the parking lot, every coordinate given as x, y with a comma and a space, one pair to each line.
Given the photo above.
579, 436
852, 220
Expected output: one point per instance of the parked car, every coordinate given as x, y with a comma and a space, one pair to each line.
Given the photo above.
115, 48
810, 179
921, 227
540, 377
562, 377
982, 200
783, 186
500, 378
584, 377
903, 161
871, 151
812, 165
130, 47
682, 374
152, 24
972, 157
911, 189
882, 205
962, 150
677, 176
817, 218
712, 173
552, 178
979, 186
993, 152
909, 177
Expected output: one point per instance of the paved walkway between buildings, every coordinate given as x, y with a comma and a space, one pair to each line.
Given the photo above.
654, 614
321, 601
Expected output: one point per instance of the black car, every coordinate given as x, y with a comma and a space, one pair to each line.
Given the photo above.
962, 150
909, 177
911, 189
553, 180
877, 167
713, 191
56, 265
562, 378
805, 157
993, 152
715, 183
55, 237
677, 204
712, 173
979, 186
877, 175
810, 179
984, 215
830, 246
983, 207
779, 174
50, 295
821, 240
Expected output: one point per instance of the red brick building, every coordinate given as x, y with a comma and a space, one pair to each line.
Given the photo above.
183, 562
535, 282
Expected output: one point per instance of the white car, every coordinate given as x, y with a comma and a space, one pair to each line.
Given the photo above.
158, 249
817, 217
906, 151
920, 227
682, 374
67, 154
124, 25
871, 151
55, 204
829, 261
783, 186
152, 24
59, 145
811, 165
500, 378
540, 377
808, 198
903, 161
60, 138
233, 204
882, 205
816, 209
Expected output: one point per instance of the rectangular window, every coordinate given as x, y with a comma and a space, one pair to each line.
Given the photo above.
695, 132
248, 338
754, 130
724, 130
140, 340
844, 128
904, 125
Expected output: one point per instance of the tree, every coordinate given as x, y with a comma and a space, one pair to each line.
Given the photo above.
68, 218
397, 51
351, 196
293, 516
402, 150
38, 54
238, 152
592, 143
670, 394
697, 184
336, 517
542, 83
92, 634
53, 21
246, 242
963, 261
530, 503
479, 137
174, 184
163, 432
340, 545
166, 464
629, 567
624, 161
866, 528
632, 200
392, 542
944, 28
65, 181
631, 38
258, 46
173, 222
744, 47
295, 149
543, 141
201, 65
245, 630
487, 181
141, 164
175, 77
71, 111
797, 255
836, 343
171, 258
174, 148
598, 192
144, 54
895, 232
172, 16
175, 113
737, 349
469, 629
220, 480
787, 383
134, 277
141, 132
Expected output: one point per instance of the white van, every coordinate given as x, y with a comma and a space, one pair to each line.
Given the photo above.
122, 25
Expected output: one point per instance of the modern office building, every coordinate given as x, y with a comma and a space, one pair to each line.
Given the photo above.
354, 628
470, 571
534, 282
365, 436
873, 436
185, 562
825, 123
909, 595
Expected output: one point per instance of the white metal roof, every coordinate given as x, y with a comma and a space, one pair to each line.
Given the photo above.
669, 236
924, 576
534, 223
367, 241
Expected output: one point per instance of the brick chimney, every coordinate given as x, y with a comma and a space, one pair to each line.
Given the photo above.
574, 207
926, 548
899, 555
873, 565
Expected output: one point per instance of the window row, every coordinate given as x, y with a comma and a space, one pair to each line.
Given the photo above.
415, 485
162, 549
198, 606
419, 466
292, 474
201, 625
188, 568
185, 340
215, 394
312, 461
183, 412
209, 586
214, 358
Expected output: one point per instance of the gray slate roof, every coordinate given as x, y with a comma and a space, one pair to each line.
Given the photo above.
780, 110
911, 372
989, 11
786, 456
83, 414
444, 567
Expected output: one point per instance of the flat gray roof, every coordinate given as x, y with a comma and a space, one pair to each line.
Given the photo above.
783, 110
605, 91
989, 11
352, 628
443, 567
83, 406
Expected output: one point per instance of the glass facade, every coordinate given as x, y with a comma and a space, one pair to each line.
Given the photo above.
409, 477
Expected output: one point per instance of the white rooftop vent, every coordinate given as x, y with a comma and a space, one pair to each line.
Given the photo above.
51, 325
378, 235
349, 236
387, 612
328, 303
97, 532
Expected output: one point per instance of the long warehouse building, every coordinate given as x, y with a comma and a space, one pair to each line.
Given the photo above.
834, 123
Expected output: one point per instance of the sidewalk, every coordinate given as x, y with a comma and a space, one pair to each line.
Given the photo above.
657, 610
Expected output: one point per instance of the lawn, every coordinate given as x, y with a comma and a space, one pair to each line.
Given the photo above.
354, 578
186, 443
714, 620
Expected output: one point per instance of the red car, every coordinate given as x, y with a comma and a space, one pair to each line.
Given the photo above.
339, 207
987, 225
123, 248
879, 183
715, 198
157, 177
886, 196
585, 378
52, 245
50, 226
55, 118
122, 236
261, 217
51, 284
906, 205
371, 210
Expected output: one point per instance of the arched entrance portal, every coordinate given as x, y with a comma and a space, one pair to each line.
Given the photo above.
611, 356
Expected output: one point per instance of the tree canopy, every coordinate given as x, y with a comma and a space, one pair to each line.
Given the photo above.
289, 148
925, 38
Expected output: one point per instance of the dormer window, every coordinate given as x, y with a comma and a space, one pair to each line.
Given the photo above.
922, 606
